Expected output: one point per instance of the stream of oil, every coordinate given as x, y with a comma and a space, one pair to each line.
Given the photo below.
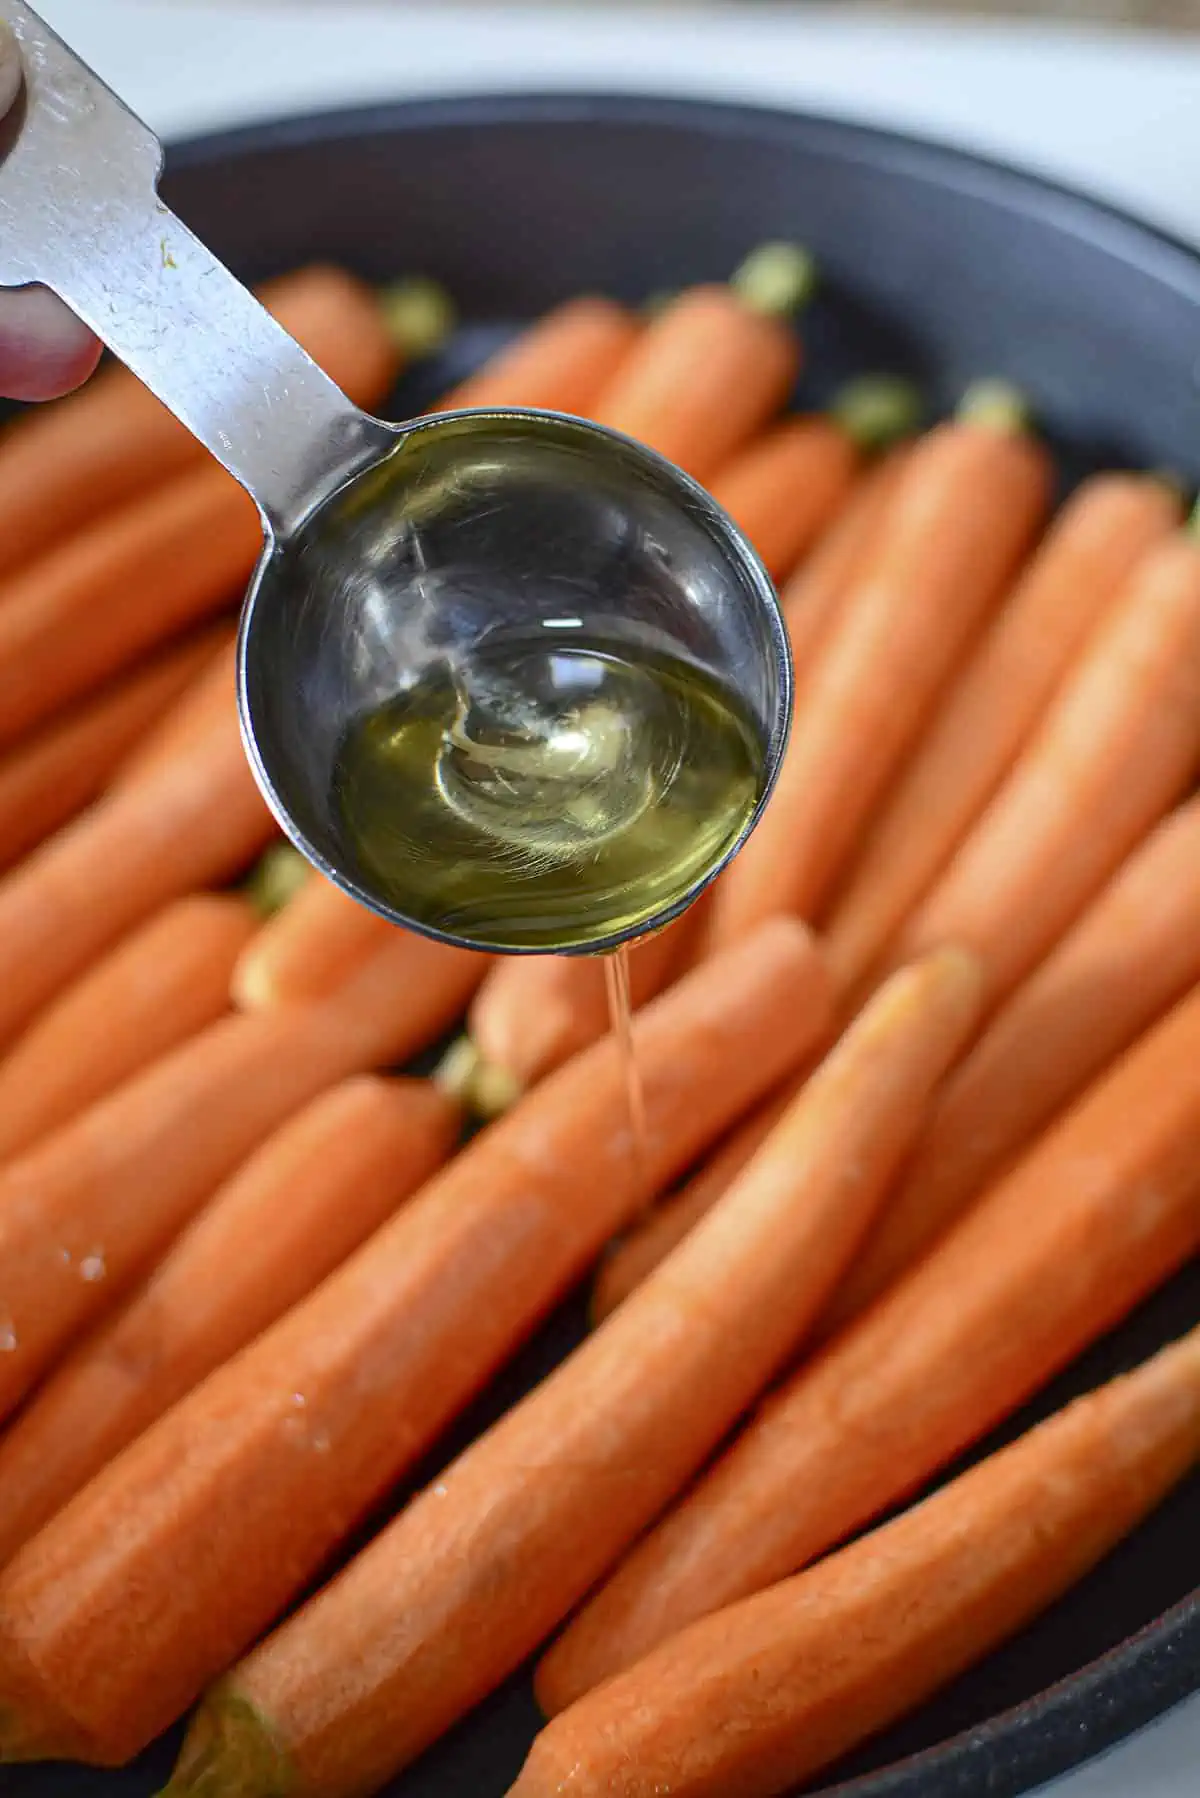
620, 1018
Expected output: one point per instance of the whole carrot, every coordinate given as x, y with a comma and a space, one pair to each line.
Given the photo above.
1119, 746
477, 1570
287, 1218
306, 950
1102, 1209
1131, 956
62, 466
157, 988
128, 583
563, 361
971, 499
704, 376
812, 599
194, 820
227, 1504
762, 1696
785, 489
1098, 539
47, 780
87, 1210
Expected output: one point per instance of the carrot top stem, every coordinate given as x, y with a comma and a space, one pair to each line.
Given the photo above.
419, 314
995, 404
1193, 523
776, 279
466, 1075
275, 879
878, 410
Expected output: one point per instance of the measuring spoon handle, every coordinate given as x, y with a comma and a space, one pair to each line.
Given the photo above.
80, 214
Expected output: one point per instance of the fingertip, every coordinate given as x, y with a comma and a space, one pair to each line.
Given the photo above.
45, 351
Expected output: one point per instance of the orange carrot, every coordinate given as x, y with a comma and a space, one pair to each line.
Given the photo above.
757, 1699
1131, 956
157, 988
483, 1565
211, 697
62, 466
126, 584
45, 781
812, 599
563, 361
534, 1012
383, 1355
311, 1195
784, 490
195, 820
305, 951
1097, 541
1102, 1210
664, 1227
970, 501
86, 1211
1116, 750
702, 379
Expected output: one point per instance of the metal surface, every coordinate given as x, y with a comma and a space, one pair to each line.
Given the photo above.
80, 213
501, 524
373, 566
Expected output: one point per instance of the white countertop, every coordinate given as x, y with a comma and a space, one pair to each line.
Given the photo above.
1119, 115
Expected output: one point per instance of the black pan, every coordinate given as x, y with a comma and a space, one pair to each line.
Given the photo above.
934, 263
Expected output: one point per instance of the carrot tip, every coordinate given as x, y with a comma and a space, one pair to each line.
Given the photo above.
420, 315
777, 279
996, 405
229, 1752
878, 410
476, 1084
276, 879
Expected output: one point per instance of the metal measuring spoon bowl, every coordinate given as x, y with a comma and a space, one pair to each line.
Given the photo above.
513, 605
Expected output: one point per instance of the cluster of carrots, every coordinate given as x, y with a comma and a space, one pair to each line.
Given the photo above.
926, 1060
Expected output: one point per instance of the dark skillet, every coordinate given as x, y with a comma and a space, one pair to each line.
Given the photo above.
936, 264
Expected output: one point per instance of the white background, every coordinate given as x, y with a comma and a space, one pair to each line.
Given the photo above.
1117, 115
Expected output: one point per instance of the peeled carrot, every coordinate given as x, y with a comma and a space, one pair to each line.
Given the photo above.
704, 376
812, 599
971, 498
1115, 751
1091, 550
482, 1566
666, 1224
195, 820
534, 1012
1132, 955
759, 1698
1102, 1210
62, 466
156, 989
563, 361
86, 1211
47, 780
308, 949
299, 1206
210, 699
784, 489
129, 582
222, 1520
